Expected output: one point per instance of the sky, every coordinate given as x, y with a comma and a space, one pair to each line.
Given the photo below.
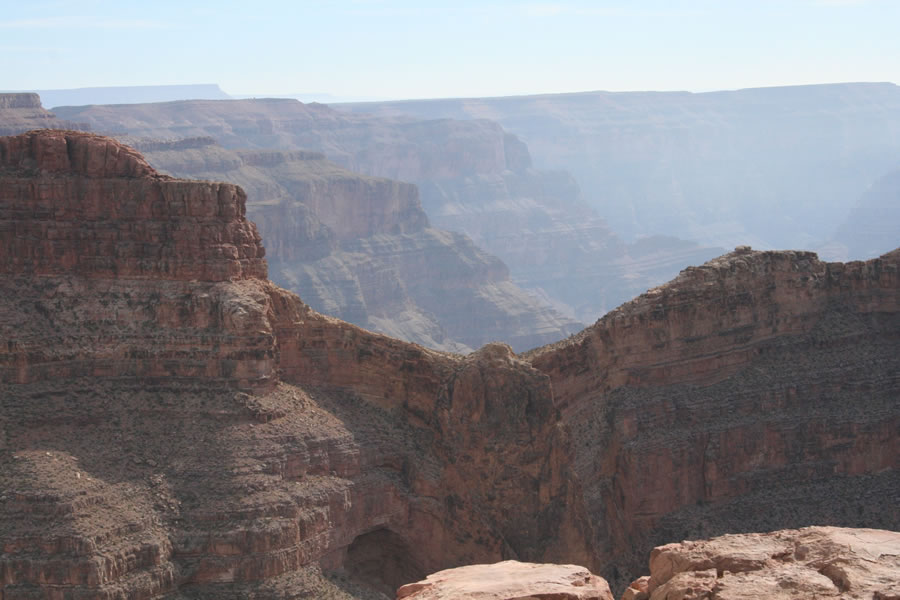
362, 49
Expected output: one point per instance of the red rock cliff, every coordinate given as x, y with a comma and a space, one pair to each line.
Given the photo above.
74, 203
755, 392
163, 434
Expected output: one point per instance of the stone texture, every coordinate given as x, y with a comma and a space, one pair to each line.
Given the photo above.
753, 393
361, 248
475, 178
75, 203
166, 436
509, 580
23, 112
814, 562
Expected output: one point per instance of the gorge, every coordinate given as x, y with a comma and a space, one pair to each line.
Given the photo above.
174, 425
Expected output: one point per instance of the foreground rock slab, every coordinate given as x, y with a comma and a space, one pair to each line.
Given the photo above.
509, 580
813, 562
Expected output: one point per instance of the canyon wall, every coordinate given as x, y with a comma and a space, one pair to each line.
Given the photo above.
475, 178
22, 112
714, 167
169, 430
176, 432
361, 248
756, 392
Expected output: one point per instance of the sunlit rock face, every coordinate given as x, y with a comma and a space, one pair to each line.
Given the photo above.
799, 564
172, 424
361, 248
755, 392
509, 580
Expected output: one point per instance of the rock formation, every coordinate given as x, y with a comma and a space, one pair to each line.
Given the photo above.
21, 112
509, 580
773, 167
753, 393
474, 177
174, 425
802, 564
361, 249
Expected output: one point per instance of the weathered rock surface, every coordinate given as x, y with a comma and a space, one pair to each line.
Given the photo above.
773, 167
185, 429
361, 248
756, 392
475, 178
814, 562
509, 580
23, 112
197, 432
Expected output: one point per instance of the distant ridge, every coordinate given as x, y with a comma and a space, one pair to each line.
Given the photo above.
130, 94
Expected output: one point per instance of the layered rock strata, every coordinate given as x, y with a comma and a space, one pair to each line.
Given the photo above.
509, 580
475, 178
183, 429
775, 167
361, 248
169, 431
810, 563
20, 112
755, 392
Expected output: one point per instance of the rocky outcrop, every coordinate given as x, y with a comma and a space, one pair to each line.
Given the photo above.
170, 435
475, 178
21, 112
361, 248
815, 562
755, 392
509, 580
195, 431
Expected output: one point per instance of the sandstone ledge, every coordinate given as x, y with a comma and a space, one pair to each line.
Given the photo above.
808, 563
509, 580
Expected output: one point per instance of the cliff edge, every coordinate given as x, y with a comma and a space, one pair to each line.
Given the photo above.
174, 425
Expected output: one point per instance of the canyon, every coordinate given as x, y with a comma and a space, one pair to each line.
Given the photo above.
776, 167
871, 224
174, 425
735, 396
21, 112
362, 249
474, 178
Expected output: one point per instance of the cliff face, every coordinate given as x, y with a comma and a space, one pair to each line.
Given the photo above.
21, 112
475, 178
167, 432
753, 393
712, 167
361, 248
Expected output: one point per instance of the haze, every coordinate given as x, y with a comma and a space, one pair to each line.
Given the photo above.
371, 49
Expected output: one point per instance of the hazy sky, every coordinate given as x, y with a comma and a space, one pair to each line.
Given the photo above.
416, 49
